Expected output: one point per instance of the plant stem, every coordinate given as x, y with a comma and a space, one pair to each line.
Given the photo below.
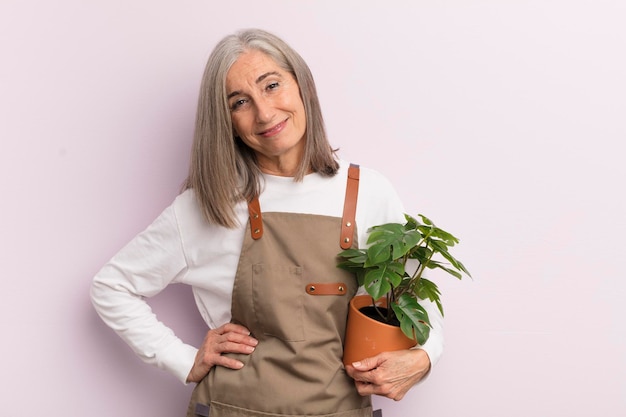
382, 316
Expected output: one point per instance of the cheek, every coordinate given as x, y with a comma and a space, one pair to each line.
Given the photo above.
297, 106
301, 114
238, 125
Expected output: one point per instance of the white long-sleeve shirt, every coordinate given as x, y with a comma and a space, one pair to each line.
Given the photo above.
180, 246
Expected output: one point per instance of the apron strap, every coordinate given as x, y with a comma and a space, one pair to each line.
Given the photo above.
349, 211
349, 207
256, 219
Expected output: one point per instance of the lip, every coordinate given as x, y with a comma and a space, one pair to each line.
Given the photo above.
274, 130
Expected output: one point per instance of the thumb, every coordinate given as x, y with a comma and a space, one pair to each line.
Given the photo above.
366, 364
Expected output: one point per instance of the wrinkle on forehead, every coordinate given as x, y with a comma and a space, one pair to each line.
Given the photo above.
251, 68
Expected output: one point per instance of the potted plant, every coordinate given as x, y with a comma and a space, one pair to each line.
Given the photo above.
391, 269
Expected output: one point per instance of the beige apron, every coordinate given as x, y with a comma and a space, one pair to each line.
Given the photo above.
290, 294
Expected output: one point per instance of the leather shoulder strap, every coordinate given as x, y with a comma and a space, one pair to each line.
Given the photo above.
256, 219
347, 221
349, 207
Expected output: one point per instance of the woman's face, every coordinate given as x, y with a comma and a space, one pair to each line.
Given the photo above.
267, 112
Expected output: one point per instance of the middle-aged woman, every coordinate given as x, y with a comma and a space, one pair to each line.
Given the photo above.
260, 220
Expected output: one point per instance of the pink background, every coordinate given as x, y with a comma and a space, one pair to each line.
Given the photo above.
503, 121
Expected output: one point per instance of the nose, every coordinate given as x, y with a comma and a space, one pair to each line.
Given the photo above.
264, 110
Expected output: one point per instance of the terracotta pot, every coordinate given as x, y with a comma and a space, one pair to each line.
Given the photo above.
366, 337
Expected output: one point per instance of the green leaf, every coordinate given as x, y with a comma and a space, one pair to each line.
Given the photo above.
461, 267
378, 254
387, 231
438, 245
352, 253
390, 242
348, 265
379, 280
426, 220
450, 271
428, 290
456, 264
413, 318
375, 283
411, 238
448, 238
411, 222
422, 254
394, 273
426, 231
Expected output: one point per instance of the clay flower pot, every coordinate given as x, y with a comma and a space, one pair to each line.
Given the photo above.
366, 337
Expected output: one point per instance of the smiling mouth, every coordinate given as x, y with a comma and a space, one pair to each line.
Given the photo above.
274, 130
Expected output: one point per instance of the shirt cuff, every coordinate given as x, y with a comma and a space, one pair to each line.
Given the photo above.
178, 360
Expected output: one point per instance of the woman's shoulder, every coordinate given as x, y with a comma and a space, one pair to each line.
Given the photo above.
369, 178
186, 203
187, 211
189, 214
378, 200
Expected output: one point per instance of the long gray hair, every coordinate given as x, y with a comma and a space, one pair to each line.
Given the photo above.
223, 170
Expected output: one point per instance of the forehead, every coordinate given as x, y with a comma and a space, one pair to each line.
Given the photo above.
249, 67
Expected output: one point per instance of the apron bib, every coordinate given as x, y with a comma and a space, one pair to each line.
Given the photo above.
292, 297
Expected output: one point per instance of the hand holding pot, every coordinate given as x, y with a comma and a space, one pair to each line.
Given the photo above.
229, 338
390, 374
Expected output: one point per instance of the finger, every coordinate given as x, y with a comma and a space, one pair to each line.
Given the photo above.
358, 376
231, 347
230, 338
228, 362
234, 328
386, 390
236, 333
368, 364
364, 388
365, 371
228, 346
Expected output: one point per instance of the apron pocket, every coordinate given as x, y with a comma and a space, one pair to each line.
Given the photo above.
225, 410
278, 297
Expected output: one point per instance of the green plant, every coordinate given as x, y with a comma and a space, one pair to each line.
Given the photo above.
381, 269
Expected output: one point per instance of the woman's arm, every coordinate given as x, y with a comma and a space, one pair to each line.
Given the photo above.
145, 266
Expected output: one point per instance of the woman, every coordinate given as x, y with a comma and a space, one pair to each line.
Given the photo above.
259, 219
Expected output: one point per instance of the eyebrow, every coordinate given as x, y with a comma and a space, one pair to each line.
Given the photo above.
258, 80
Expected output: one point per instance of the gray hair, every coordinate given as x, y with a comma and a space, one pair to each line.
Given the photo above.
223, 170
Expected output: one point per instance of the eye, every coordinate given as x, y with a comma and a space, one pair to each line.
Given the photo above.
272, 86
237, 103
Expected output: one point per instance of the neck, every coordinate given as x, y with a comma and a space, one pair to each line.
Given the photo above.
278, 168
285, 165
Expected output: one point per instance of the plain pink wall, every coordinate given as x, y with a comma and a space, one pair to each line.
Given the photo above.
508, 118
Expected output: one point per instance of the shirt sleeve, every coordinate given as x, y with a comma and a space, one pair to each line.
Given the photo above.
434, 345
144, 267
